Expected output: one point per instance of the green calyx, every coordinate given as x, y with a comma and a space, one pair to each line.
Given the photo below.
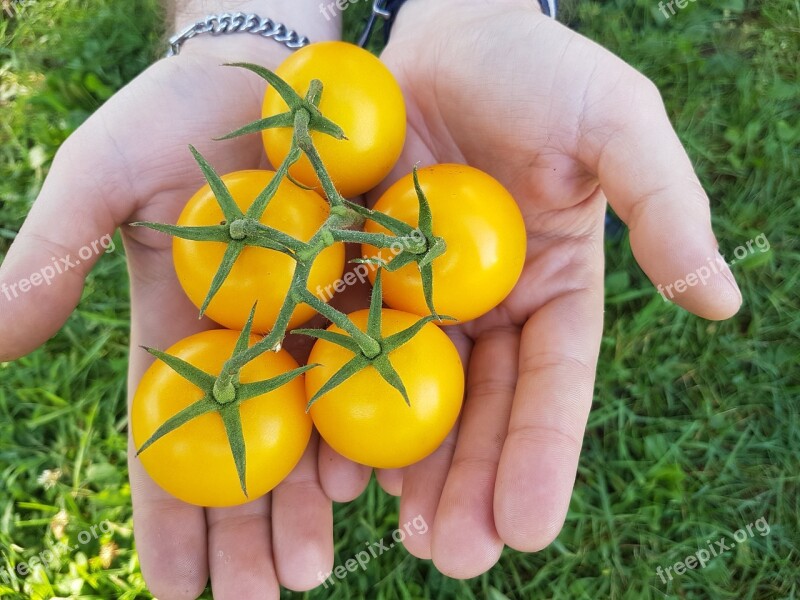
239, 229
220, 396
305, 117
385, 345
296, 104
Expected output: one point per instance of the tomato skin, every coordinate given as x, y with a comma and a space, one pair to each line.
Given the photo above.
367, 420
194, 463
361, 96
259, 274
485, 235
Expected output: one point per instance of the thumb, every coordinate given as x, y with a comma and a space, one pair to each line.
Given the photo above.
69, 227
651, 184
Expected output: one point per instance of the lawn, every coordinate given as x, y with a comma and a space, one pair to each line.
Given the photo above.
695, 432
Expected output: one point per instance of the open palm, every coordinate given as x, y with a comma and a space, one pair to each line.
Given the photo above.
563, 124
130, 162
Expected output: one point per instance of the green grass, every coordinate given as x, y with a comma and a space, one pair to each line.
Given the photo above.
695, 431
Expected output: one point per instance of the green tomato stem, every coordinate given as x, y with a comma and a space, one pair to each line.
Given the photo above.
238, 229
259, 231
409, 243
224, 391
274, 339
259, 205
302, 137
314, 93
370, 347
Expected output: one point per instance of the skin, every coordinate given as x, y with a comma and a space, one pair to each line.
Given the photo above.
577, 126
130, 162
258, 275
565, 126
485, 236
366, 419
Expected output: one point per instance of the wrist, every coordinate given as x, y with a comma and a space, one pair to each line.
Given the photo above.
534, 5
422, 9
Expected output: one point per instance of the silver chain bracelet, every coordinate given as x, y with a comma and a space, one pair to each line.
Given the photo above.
238, 23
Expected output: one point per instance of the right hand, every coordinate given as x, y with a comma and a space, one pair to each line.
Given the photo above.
130, 162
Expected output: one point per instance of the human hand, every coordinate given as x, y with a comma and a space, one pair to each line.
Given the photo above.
563, 124
130, 162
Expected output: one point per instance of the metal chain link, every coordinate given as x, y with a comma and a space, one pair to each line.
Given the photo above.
238, 23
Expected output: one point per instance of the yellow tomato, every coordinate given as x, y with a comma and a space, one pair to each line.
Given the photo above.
361, 96
259, 274
194, 462
367, 420
485, 235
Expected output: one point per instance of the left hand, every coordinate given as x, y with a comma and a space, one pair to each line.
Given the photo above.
563, 124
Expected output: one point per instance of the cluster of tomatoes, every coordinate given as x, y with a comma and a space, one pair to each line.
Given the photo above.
225, 415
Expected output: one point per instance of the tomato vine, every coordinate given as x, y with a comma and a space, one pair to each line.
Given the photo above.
242, 229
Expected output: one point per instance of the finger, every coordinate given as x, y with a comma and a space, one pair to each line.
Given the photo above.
423, 481
302, 523
390, 480
170, 535
422, 488
558, 357
628, 141
69, 227
240, 552
465, 540
341, 479
170, 538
